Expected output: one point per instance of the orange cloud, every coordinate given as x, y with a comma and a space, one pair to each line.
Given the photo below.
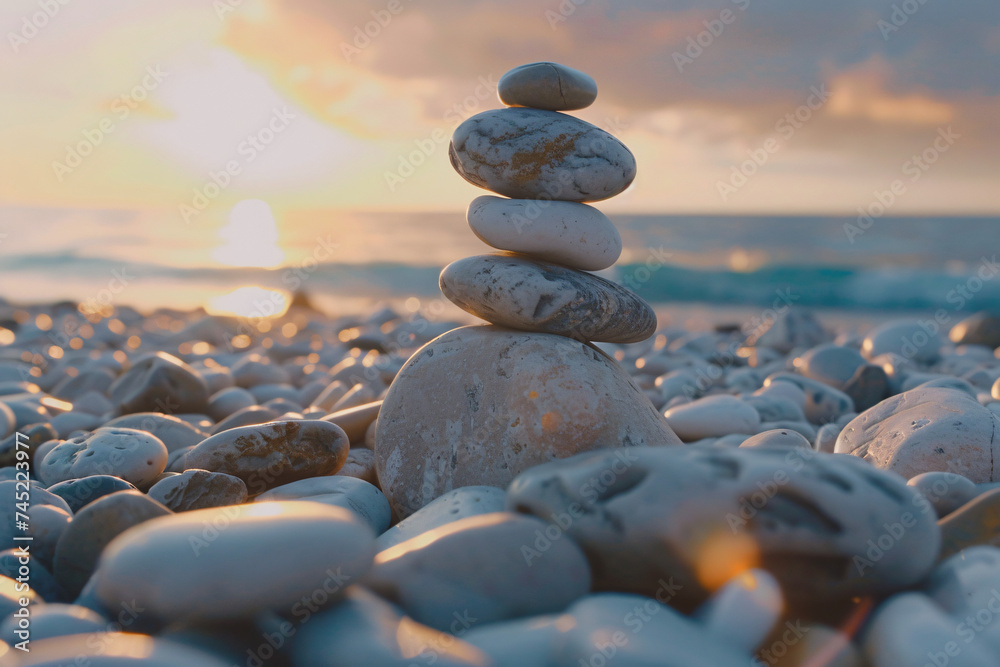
862, 93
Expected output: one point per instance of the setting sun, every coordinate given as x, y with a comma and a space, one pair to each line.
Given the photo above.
251, 237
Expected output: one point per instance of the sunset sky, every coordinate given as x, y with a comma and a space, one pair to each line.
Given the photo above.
161, 95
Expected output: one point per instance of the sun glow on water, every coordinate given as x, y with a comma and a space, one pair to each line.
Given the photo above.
251, 237
250, 301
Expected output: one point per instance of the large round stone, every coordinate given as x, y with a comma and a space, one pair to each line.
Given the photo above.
479, 405
827, 527
535, 154
537, 296
924, 430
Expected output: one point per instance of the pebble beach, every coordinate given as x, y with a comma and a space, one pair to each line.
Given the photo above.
553, 473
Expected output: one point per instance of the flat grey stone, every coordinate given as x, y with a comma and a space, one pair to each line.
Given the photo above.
568, 233
436, 574
514, 292
173, 432
535, 154
712, 417
355, 495
363, 629
457, 504
232, 562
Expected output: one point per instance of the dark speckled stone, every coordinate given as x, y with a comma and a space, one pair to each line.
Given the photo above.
480, 404
80, 492
269, 455
532, 154
199, 489
514, 292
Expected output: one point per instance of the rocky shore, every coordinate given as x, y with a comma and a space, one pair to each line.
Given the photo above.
569, 483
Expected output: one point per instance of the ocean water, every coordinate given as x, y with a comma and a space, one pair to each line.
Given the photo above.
885, 265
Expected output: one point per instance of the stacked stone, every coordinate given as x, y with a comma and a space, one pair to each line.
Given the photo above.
546, 164
481, 404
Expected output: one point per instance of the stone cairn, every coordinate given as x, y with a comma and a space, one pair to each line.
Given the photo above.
480, 404
548, 164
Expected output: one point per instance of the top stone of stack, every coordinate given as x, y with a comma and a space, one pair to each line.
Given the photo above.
530, 150
547, 164
546, 85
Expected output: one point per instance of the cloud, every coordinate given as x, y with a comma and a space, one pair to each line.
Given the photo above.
370, 82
